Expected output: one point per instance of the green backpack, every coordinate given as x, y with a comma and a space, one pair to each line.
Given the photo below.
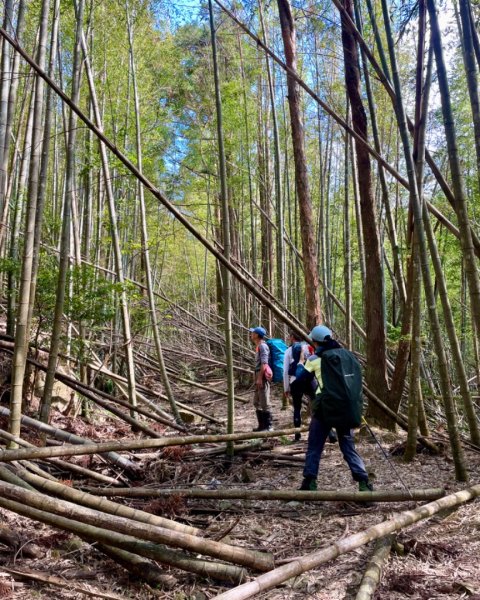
340, 402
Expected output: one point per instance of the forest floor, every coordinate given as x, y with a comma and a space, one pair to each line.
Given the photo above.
441, 559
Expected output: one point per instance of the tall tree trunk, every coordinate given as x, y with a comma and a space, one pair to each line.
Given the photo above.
416, 202
23, 325
346, 244
117, 255
280, 252
226, 277
309, 251
455, 169
66, 225
145, 240
471, 73
373, 292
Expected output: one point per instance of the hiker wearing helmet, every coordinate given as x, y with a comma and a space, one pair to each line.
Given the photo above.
261, 397
339, 406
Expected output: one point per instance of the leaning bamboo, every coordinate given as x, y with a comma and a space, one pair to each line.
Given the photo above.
84, 448
373, 572
259, 561
311, 561
286, 495
106, 506
219, 571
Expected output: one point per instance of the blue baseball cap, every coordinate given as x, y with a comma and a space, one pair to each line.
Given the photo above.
259, 331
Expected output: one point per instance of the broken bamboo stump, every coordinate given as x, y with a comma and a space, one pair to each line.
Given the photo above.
311, 561
285, 495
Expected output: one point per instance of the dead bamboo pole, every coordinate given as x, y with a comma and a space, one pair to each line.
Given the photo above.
219, 571
311, 561
106, 506
90, 448
285, 495
373, 572
260, 561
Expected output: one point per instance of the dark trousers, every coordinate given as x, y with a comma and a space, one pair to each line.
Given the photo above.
317, 436
297, 392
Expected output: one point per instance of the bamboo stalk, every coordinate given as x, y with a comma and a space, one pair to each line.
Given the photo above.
286, 495
373, 572
311, 561
257, 560
90, 448
219, 571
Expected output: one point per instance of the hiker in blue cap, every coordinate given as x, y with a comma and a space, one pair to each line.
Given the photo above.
261, 397
322, 421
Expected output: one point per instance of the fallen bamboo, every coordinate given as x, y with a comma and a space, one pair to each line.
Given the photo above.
311, 561
18, 544
90, 448
286, 495
140, 567
119, 380
62, 464
183, 406
373, 572
219, 571
59, 434
135, 423
106, 506
79, 387
259, 561
13, 478
60, 582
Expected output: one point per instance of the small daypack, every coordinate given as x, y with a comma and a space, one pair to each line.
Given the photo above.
277, 349
340, 401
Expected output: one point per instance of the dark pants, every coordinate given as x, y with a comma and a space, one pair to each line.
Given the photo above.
298, 391
317, 436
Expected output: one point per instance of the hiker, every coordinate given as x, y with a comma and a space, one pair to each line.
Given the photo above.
341, 412
261, 398
296, 353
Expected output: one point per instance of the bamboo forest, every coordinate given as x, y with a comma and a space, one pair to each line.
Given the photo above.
239, 299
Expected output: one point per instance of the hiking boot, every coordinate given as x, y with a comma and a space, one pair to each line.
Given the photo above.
309, 484
261, 421
365, 486
332, 437
297, 423
267, 423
